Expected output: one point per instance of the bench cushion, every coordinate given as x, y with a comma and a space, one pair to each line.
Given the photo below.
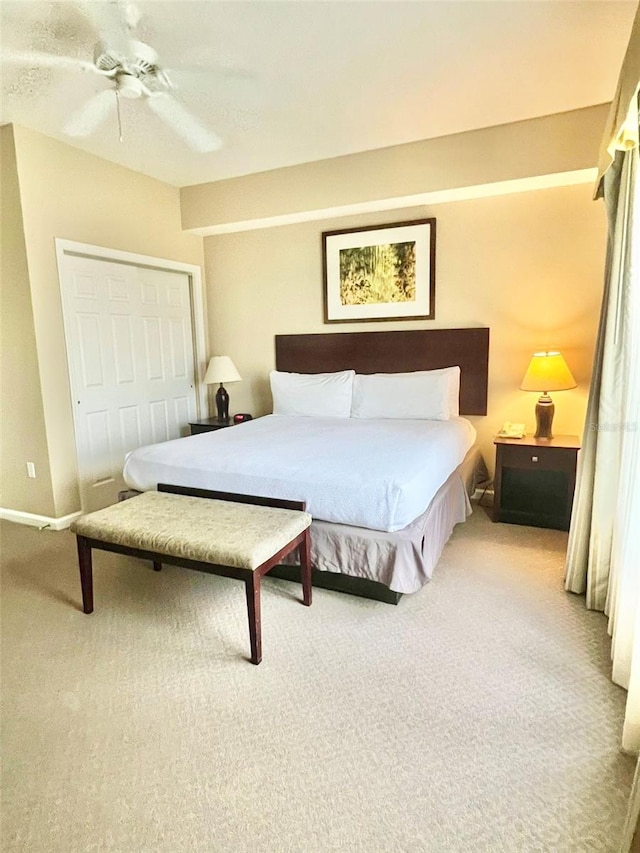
211, 531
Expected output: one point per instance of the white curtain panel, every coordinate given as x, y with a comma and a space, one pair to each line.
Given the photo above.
593, 517
630, 833
603, 556
624, 594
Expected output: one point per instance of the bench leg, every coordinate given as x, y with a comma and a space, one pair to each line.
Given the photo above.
305, 567
252, 589
157, 566
86, 573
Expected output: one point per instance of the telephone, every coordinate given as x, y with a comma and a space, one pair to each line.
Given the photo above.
510, 430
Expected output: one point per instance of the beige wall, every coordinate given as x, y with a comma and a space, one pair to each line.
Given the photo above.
523, 150
73, 195
529, 266
22, 412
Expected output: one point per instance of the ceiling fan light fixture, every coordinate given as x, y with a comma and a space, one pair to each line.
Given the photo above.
129, 86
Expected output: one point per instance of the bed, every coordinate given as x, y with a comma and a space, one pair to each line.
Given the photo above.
378, 529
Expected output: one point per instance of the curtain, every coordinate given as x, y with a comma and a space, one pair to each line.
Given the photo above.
631, 832
603, 554
623, 602
592, 520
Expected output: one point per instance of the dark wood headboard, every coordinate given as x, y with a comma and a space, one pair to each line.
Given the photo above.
395, 352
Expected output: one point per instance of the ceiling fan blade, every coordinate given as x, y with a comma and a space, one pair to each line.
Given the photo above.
195, 134
130, 13
113, 22
35, 58
96, 110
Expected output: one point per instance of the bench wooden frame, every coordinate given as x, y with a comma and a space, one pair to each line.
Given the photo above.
251, 577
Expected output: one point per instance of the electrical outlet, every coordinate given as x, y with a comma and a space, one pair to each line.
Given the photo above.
31, 470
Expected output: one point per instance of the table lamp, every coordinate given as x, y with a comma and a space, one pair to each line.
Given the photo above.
547, 371
221, 369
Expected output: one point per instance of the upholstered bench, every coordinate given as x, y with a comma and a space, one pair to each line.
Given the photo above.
237, 536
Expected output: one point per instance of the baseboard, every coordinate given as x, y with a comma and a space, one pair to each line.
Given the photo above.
40, 521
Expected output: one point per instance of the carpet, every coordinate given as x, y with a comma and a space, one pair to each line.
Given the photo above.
477, 715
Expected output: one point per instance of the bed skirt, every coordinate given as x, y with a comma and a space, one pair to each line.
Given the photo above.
400, 562
380, 565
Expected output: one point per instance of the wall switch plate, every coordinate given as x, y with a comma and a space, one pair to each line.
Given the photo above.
31, 470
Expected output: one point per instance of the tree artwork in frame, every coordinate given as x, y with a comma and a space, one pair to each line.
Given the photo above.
381, 272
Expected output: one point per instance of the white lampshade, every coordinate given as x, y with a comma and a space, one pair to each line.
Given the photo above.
221, 369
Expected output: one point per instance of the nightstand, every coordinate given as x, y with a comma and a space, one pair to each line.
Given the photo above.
209, 425
534, 480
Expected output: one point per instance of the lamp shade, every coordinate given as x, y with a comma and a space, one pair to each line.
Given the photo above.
547, 371
221, 369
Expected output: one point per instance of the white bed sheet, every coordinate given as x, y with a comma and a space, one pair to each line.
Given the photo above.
380, 474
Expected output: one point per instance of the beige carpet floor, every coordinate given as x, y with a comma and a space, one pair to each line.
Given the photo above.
477, 715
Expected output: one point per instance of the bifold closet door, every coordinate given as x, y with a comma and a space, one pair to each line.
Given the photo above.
131, 364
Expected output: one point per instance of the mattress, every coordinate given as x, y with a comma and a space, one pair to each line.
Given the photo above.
379, 474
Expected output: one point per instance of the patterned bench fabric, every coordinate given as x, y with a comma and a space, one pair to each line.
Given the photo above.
211, 531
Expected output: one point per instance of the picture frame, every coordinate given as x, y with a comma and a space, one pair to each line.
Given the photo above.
380, 272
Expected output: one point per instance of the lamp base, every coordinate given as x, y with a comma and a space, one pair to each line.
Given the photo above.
222, 403
545, 411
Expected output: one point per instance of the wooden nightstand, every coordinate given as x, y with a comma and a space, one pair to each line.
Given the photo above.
209, 425
534, 480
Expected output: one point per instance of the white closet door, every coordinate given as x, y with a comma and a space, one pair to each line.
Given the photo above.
131, 364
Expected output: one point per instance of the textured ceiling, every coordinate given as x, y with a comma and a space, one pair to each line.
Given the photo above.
290, 82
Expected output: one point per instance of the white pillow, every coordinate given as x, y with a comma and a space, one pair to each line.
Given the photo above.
453, 378
326, 395
423, 395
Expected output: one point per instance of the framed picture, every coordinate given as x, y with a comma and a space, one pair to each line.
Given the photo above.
382, 272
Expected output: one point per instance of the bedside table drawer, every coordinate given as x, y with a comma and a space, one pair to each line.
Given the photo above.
540, 458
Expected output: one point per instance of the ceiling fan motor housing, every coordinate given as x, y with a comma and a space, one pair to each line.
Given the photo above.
106, 60
141, 65
143, 56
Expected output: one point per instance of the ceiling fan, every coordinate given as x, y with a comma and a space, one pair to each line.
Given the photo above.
132, 67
